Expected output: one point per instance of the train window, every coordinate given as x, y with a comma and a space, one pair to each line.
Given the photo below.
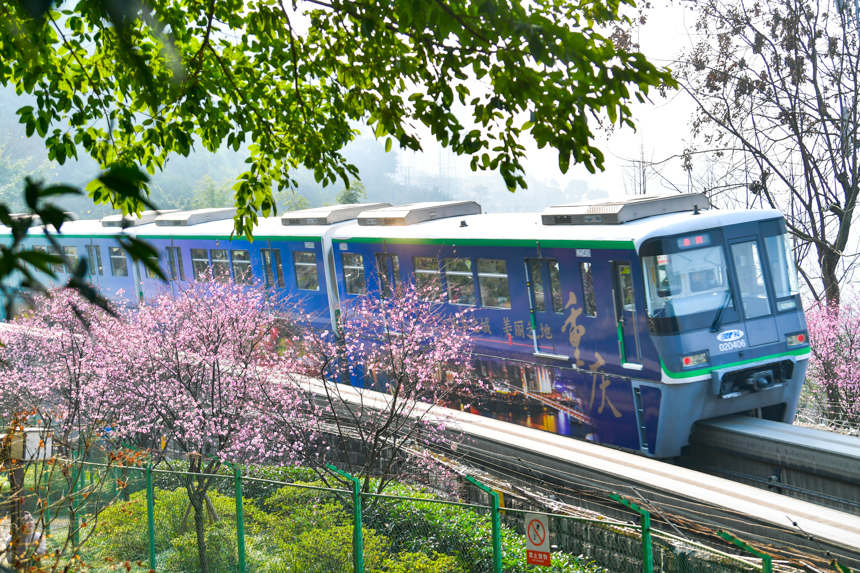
589, 302
493, 282
389, 276
150, 273
71, 254
305, 265
536, 278
220, 265
555, 286
427, 278
625, 285
782, 271
174, 263
118, 262
241, 262
686, 283
461, 283
94, 260
750, 279
199, 263
353, 273
536, 275
272, 269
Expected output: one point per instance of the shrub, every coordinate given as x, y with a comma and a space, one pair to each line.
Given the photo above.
416, 562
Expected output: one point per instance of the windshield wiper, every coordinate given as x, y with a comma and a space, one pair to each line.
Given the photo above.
715, 326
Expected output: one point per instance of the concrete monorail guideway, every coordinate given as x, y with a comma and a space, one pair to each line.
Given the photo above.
679, 496
807, 463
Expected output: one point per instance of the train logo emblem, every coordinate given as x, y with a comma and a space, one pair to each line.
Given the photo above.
731, 340
730, 335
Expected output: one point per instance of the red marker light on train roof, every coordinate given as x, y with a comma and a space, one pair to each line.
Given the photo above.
699, 239
686, 242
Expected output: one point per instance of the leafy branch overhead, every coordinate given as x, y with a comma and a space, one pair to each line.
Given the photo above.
129, 83
27, 266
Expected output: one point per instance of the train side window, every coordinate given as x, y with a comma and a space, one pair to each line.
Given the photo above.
536, 275
272, 269
493, 282
427, 278
555, 286
536, 278
118, 262
71, 254
150, 274
241, 262
220, 265
353, 273
200, 263
94, 258
174, 263
589, 303
461, 283
305, 265
389, 277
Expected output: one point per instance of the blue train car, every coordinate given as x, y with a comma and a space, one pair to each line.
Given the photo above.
623, 323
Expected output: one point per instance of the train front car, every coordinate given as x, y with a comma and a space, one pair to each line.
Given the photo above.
725, 316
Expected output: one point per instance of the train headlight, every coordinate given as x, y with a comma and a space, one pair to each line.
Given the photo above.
797, 339
692, 360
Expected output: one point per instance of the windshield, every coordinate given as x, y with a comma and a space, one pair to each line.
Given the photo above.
685, 283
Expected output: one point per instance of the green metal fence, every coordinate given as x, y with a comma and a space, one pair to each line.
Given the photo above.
104, 517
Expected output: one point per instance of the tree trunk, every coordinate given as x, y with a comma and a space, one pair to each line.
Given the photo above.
829, 261
199, 527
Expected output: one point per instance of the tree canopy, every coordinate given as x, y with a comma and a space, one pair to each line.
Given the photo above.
778, 87
131, 83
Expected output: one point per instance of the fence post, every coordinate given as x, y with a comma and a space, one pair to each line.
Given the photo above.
240, 518
766, 560
150, 515
357, 536
496, 521
645, 525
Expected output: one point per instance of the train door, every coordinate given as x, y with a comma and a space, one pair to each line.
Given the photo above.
388, 271
624, 298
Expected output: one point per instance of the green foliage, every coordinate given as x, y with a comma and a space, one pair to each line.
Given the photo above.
221, 550
417, 562
353, 193
303, 528
131, 83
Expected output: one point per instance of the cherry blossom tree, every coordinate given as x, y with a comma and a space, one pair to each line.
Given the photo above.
377, 378
189, 376
47, 379
834, 365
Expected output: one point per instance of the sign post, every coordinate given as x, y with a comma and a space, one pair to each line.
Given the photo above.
537, 539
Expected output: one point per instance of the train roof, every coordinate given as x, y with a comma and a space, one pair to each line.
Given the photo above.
485, 229
527, 228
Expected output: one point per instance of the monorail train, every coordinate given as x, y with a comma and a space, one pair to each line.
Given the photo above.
620, 322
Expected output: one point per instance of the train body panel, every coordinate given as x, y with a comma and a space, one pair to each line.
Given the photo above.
624, 333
